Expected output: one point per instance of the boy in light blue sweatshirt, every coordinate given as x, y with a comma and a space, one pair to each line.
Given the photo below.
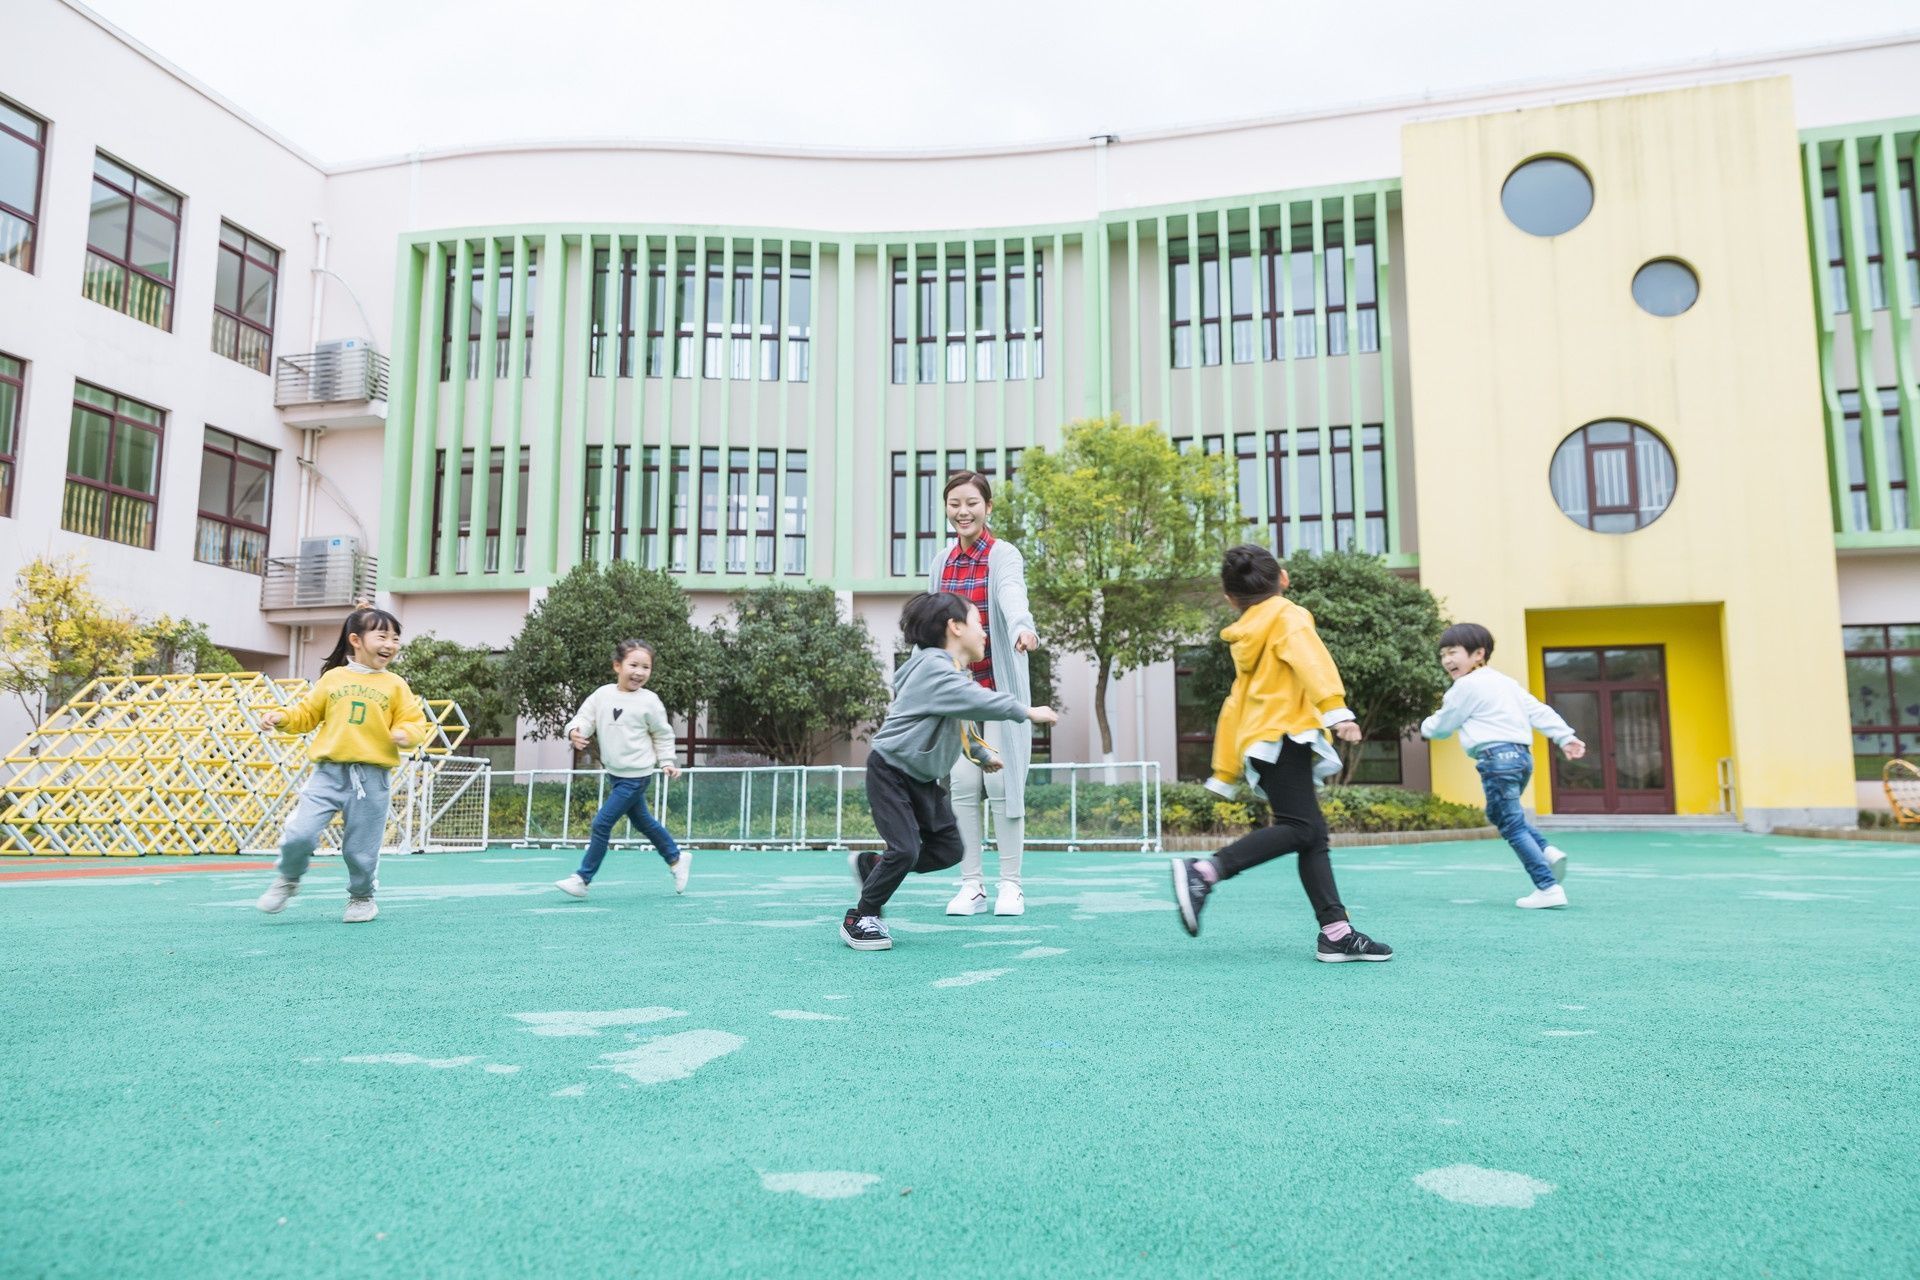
915, 750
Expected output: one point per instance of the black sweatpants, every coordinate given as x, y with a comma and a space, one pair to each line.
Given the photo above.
1298, 827
916, 820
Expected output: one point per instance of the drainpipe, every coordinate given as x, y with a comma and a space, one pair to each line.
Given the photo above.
309, 436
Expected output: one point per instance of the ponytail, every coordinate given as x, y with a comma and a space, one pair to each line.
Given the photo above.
358, 623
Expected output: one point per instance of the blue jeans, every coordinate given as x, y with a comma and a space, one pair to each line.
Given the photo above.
1504, 769
626, 798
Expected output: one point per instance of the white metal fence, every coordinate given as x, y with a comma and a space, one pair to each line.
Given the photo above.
440, 804
1070, 806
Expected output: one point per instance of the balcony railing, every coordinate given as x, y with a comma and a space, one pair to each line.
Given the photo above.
330, 377
336, 579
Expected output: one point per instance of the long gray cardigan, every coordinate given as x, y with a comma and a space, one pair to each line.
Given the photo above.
1007, 616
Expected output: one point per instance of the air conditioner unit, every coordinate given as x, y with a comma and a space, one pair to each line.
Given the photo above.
326, 572
339, 370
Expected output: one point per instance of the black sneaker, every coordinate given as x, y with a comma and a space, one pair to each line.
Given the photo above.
861, 861
1190, 891
865, 933
1355, 946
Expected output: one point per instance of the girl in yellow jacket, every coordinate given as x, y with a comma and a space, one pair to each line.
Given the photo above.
1273, 729
366, 716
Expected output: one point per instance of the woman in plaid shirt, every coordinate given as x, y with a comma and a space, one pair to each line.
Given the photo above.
993, 575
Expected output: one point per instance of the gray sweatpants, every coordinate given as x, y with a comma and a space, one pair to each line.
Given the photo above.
359, 793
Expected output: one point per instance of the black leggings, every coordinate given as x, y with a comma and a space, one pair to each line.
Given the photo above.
1298, 827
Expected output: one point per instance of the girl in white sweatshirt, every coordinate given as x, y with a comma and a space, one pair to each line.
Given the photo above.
636, 741
1495, 718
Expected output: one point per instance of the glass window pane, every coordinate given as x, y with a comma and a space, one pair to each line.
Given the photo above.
19, 173
157, 194
9, 415
226, 281
93, 395
136, 458
1665, 287
113, 172
19, 121
1639, 760
252, 485
1871, 751
1633, 664
137, 411
1547, 196
257, 303
87, 444
216, 482
1571, 664
232, 235
1582, 712
107, 222
153, 236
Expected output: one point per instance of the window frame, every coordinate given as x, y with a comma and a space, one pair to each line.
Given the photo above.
125, 263
239, 321
1899, 731
228, 522
30, 217
490, 545
503, 315
10, 441
107, 487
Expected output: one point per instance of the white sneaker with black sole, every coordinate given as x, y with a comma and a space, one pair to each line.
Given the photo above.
865, 933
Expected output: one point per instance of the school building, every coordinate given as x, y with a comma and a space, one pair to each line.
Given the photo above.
1622, 367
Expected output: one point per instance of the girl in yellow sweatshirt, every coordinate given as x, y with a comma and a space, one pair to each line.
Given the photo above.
1273, 728
366, 716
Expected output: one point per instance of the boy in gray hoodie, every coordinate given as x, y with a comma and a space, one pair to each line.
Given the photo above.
915, 750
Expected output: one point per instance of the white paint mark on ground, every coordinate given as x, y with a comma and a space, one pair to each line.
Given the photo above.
501, 1069
824, 1185
592, 1023
1574, 1008
1040, 953
927, 926
571, 1091
564, 911
971, 977
1567, 1034
409, 1060
672, 1057
1445, 1120
1483, 1188
999, 942
314, 1059
1463, 902
807, 1015
1788, 895
501, 860
833, 997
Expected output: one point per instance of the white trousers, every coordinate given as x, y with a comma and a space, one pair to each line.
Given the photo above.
971, 790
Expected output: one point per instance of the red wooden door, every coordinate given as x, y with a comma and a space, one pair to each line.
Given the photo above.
1616, 700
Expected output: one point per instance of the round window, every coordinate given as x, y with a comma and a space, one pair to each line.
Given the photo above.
1547, 196
1612, 477
1665, 287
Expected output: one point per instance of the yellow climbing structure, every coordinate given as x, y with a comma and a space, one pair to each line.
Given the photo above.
166, 765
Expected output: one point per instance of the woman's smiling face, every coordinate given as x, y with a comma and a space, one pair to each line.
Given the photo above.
967, 511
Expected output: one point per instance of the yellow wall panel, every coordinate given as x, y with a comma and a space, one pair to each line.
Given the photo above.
1518, 340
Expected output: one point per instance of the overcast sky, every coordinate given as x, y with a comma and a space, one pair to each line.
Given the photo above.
352, 79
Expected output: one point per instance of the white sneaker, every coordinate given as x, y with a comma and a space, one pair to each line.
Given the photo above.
573, 886
276, 898
1011, 901
681, 868
1557, 863
1554, 897
970, 901
359, 911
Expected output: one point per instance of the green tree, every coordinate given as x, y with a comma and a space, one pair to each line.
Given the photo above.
565, 650
1382, 630
1122, 536
180, 645
794, 675
469, 675
57, 635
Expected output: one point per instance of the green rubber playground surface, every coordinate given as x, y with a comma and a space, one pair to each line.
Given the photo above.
1706, 1066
